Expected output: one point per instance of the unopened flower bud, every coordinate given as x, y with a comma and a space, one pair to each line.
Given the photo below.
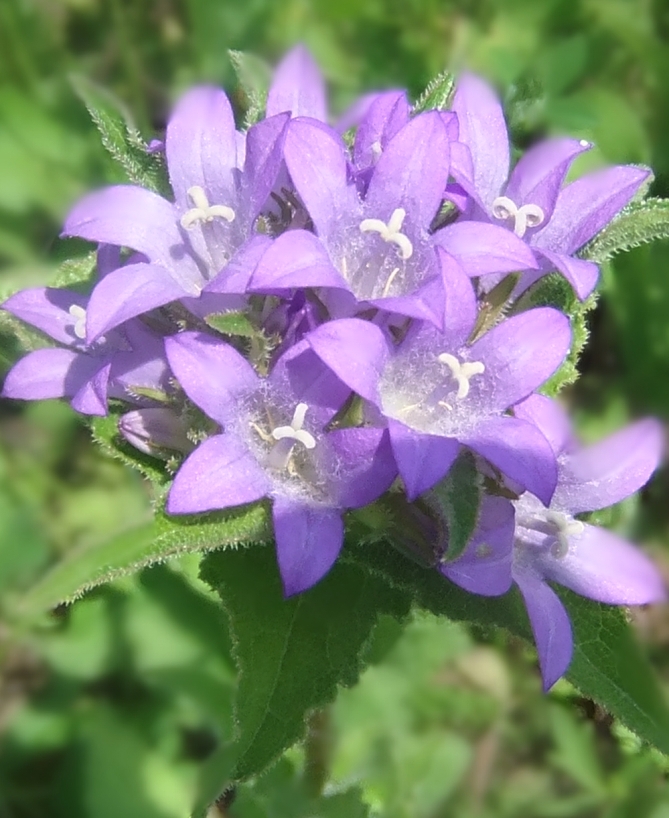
154, 430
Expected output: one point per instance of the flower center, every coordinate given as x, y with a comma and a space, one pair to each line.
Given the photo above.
461, 372
391, 232
555, 524
287, 436
202, 212
79, 315
529, 215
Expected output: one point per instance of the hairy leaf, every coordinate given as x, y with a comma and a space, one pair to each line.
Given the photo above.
130, 551
437, 95
458, 499
120, 136
639, 223
292, 654
254, 76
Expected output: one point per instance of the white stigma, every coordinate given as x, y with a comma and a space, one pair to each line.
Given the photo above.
79, 315
203, 212
462, 372
565, 527
529, 215
295, 430
391, 232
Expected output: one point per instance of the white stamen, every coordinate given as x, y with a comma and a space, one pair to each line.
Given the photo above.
565, 527
462, 372
79, 315
391, 278
295, 430
203, 211
585, 144
377, 149
529, 215
391, 232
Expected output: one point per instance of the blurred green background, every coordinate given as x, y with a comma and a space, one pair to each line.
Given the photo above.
109, 708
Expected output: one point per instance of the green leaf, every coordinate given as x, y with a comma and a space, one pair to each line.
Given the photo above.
639, 223
292, 654
121, 137
105, 433
254, 76
458, 499
608, 665
437, 95
75, 272
130, 551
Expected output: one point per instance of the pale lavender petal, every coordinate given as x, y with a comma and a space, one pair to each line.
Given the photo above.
549, 417
126, 293
605, 473
296, 259
550, 625
521, 353
47, 308
145, 365
355, 113
200, 145
355, 350
485, 566
462, 168
300, 373
220, 473
539, 174
91, 399
132, 217
426, 303
388, 113
213, 374
483, 130
316, 158
423, 460
49, 373
234, 277
450, 120
485, 248
519, 451
368, 466
412, 173
581, 274
461, 307
308, 541
602, 566
585, 206
264, 157
108, 259
298, 87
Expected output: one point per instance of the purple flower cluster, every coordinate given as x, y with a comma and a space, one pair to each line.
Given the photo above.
353, 276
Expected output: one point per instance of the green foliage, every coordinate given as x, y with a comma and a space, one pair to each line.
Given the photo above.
121, 137
292, 654
458, 498
232, 323
608, 665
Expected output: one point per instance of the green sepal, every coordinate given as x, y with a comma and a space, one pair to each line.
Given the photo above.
254, 76
292, 654
106, 434
494, 305
120, 136
639, 223
232, 323
438, 94
608, 665
76, 273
